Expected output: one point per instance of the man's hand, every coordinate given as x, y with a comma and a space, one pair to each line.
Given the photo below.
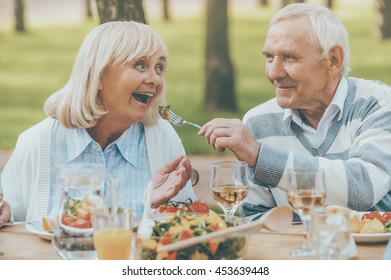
170, 179
5, 213
234, 135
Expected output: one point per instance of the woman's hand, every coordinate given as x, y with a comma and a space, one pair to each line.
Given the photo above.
170, 179
5, 213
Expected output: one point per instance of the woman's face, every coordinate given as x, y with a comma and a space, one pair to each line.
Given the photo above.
127, 91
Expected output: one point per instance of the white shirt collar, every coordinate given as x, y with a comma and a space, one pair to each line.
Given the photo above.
335, 106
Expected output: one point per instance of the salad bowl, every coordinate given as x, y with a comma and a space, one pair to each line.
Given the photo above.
173, 227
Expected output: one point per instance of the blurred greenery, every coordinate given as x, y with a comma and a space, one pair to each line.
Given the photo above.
35, 64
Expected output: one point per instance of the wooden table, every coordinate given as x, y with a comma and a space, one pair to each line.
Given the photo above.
17, 243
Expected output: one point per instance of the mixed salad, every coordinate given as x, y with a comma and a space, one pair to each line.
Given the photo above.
182, 225
372, 222
163, 111
77, 213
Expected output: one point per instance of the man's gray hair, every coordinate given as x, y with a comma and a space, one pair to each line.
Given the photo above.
327, 29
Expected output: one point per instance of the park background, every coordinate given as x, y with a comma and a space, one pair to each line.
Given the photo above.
37, 62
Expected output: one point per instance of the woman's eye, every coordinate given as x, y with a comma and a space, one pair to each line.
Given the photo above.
159, 69
140, 65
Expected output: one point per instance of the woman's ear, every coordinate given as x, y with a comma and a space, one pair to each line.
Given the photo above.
336, 57
100, 86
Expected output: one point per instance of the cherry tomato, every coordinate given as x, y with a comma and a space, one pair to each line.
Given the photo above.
185, 234
68, 221
171, 256
165, 239
367, 216
199, 207
213, 246
386, 216
74, 222
167, 209
376, 214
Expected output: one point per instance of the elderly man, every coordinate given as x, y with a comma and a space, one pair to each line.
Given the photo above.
320, 117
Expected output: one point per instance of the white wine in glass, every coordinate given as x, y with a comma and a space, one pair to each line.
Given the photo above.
229, 185
305, 192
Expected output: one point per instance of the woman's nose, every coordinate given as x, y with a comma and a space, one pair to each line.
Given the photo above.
152, 78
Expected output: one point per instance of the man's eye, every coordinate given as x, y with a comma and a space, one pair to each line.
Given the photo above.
269, 57
289, 58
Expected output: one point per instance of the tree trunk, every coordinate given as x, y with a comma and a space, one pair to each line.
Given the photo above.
19, 16
88, 8
219, 91
284, 3
329, 4
383, 18
126, 10
263, 2
166, 10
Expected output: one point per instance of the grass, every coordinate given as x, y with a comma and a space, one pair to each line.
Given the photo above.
35, 64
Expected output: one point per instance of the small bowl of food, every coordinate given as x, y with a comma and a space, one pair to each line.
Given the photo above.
177, 226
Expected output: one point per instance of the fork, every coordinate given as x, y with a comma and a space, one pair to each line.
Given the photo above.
178, 121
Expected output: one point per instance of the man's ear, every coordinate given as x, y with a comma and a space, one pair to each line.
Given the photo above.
336, 57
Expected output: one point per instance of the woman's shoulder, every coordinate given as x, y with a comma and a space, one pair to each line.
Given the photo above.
38, 129
162, 128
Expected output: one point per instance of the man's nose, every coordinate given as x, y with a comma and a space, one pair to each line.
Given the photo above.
275, 69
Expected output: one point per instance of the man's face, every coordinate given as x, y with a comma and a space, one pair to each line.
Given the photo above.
294, 66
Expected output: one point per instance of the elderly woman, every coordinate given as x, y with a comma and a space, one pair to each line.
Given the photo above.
106, 114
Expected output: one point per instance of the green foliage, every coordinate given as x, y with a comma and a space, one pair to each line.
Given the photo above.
35, 64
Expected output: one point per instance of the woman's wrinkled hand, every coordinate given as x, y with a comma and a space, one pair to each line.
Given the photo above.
170, 179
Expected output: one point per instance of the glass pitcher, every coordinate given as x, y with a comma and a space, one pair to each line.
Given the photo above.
83, 188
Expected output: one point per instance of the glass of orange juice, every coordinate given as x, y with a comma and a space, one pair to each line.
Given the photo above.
112, 235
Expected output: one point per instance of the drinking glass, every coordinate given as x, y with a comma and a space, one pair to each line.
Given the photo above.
306, 192
330, 234
82, 190
112, 235
229, 185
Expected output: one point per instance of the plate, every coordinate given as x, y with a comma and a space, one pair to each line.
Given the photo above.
75, 230
370, 237
37, 229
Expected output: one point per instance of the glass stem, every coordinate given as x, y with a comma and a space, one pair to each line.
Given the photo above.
228, 213
307, 226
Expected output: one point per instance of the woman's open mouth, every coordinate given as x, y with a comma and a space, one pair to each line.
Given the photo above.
142, 97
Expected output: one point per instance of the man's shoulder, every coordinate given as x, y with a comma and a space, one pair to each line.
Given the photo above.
269, 107
368, 87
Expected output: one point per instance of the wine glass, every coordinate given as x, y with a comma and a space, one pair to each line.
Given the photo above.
229, 185
306, 192
1, 203
1, 198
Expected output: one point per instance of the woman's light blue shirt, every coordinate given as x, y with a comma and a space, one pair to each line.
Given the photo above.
126, 160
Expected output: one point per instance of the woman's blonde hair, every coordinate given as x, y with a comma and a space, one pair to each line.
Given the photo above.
110, 44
